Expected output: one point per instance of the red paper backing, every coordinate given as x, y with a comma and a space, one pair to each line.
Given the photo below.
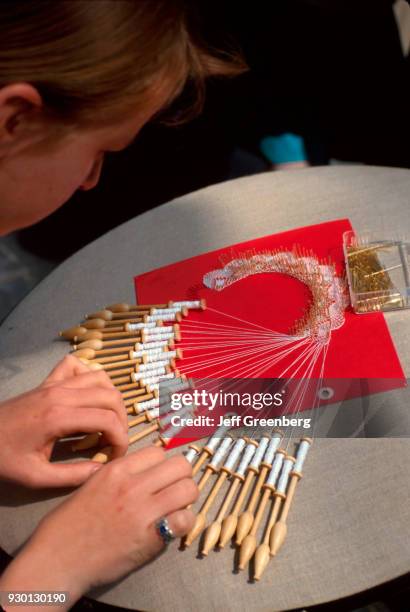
362, 348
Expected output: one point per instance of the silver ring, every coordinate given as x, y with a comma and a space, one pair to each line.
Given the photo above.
164, 530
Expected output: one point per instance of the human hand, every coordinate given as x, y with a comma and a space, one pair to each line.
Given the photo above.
106, 529
72, 399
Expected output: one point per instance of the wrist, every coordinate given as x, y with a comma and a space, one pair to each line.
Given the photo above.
36, 568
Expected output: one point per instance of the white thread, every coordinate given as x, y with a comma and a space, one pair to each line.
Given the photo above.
272, 448
156, 317
149, 346
167, 390
154, 365
153, 412
275, 469
190, 454
161, 332
158, 337
301, 455
247, 456
143, 326
166, 355
158, 355
148, 354
165, 311
171, 432
221, 452
152, 374
187, 304
260, 451
296, 265
216, 438
142, 406
234, 454
174, 429
166, 418
284, 477
153, 381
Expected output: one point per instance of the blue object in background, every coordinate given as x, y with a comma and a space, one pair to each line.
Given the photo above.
284, 148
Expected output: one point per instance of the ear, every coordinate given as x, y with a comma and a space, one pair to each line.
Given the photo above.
17, 102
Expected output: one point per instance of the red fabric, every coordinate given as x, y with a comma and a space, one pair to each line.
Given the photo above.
361, 349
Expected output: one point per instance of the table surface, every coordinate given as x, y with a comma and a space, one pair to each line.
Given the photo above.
349, 528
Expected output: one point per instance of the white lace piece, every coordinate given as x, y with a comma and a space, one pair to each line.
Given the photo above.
329, 289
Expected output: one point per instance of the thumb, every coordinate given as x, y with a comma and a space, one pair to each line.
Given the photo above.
66, 368
66, 475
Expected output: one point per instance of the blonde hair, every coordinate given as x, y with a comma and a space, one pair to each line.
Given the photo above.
95, 61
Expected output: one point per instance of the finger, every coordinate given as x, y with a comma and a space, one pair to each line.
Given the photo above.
62, 475
176, 497
166, 473
89, 379
97, 397
90, 420
68, 367
180, 523
142, 460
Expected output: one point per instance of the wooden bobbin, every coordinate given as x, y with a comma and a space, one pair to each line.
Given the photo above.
113, 352
201, 516
213, 532
116, 317
249, 543
122, 323
134, 391
142, 418
92, 440
95, 324
106, 360
98, 345
119, 365
91, 334
132, 403
105, 454
177, 316
132, 385
205, 476
131, 314
124, 307
120, 373
224, 472
230, 523
248, 546
105, 315
120, 380
246, 518
97, 367
209, 449
89, 441
72, 332
96, 334
103, 326
279, 530
203, 457
262, 554
129, 329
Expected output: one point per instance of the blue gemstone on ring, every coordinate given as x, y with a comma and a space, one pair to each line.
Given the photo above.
164, 531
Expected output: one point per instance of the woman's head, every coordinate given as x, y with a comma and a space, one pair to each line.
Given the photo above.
81, 77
